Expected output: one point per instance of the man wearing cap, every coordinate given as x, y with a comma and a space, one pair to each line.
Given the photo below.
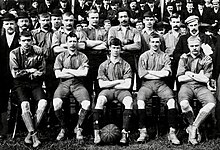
153, 66
153, 8
47, 6
27, 68
216, 11
64, 6
81, 11
9, 41
194, 71
23, 21
129, 36
149, 21
188, 11
34, 20
59, 37
178, 7
181, 47
102, 12
56, 19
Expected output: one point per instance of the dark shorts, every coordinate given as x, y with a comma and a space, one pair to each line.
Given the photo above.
29, 90
112, 94
201, 92
68, 87
158, 87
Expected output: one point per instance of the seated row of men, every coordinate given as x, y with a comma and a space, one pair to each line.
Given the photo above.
27, 66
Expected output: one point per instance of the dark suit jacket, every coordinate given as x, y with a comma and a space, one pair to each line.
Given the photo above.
5, 73
182, 45
205, 17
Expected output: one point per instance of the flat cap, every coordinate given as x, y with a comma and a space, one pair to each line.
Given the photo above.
56, 12
22, 14
215, 1
148, 14
8, 17
191, 19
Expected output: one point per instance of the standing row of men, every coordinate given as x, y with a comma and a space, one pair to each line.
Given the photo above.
62, 51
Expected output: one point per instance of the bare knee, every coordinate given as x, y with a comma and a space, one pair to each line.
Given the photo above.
100, 102
85, 104
141, 104
25, 107
127, 101
57, 103
42, 104
171, 103
185, 106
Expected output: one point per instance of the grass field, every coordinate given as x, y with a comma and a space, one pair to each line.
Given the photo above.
47, 137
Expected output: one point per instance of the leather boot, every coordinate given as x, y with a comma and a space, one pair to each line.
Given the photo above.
191, 130
124, 138
172, 137
97, 138
35, 139
143, 135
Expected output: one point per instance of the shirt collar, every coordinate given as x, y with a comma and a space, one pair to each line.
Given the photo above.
30, 51
62, 30
75, 53
119, 61
152, 52
120, 27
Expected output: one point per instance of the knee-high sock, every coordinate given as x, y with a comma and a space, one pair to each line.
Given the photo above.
126, 119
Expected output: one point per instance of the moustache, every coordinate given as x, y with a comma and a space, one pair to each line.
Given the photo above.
194, 31
46, 26
176, 27
26, 26
10, 28
69, 25
124, 21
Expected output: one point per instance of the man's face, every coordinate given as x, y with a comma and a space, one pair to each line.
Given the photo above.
139, 26
115, 50
68, 22
63, 4
179, 4
47, 2
34, 19
189, 6
170, 8
25, 42
107, 26
35, 4
193, 27
93, 19
133, 5
154, 44
194, 47
149, 22
106, 2
45, 22
23, 23
9, 26
123, 18
151, 5
215, 5
56, 21
82, 1
71, 43
200, 7
175, 23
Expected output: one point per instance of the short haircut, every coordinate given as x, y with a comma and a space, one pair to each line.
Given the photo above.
93, 10
193, 39
71, 34
68, 14
124, 10
155, 35
115, 41
25, 34
44, 15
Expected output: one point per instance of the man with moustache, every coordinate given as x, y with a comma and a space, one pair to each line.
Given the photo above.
114, 86
194, 71
129, 36
181, 46
23, 21
154, 65
9, 41
171, 38
27, 68
43, 38
59, 37
70, 66
96, 46
56, 19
